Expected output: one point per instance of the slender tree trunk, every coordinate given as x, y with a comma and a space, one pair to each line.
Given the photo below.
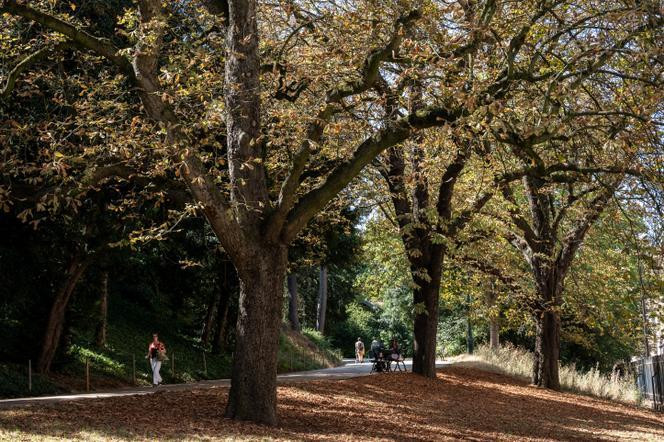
253, 393
223, 305
470, 340
293, 302
547, 350
103, 311
208, 323
56, 317
490, 298
219, 343
494, 332
322, 299
425, 327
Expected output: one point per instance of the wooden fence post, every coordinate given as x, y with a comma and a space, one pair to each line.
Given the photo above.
87, 375
173, 364
29, 374
204, 365
133, 368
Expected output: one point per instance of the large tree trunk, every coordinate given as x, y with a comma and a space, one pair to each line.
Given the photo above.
425, 327
56, 317
547, 350
253, 393
293, 302
322, 299
103, 311
549, 282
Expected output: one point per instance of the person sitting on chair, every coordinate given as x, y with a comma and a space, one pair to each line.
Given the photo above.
395, 350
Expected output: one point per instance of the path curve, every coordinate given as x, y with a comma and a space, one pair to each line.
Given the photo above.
349, 369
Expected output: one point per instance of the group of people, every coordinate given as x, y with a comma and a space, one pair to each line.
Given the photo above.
378, 350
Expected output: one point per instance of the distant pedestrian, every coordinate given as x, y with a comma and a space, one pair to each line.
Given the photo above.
376, 347
359, 351
156, 354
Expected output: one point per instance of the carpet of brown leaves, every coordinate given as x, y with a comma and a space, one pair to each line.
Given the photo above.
462, 403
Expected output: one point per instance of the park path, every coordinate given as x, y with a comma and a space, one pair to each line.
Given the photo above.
348, 369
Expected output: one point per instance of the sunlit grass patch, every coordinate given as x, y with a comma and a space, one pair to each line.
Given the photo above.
517, 361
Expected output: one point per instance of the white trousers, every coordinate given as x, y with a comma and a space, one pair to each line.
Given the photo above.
156, 366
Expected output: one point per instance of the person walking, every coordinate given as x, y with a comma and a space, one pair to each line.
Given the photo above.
375, 348
359, 351
156, 354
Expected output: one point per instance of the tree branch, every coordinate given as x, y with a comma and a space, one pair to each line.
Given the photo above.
96, 45
369, 75
26, 63
393, 134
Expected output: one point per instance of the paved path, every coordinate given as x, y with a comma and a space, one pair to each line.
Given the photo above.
349, 369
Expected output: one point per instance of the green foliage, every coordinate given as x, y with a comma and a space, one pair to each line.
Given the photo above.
14, 382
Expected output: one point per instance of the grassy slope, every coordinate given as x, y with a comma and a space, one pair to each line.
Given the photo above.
129, 333
518, 362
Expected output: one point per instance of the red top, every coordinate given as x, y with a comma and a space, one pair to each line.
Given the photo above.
158, 346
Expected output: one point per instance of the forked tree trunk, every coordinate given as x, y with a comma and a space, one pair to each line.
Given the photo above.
425, 327
56, 317
322, 299
293, 302
103, 311
253, 393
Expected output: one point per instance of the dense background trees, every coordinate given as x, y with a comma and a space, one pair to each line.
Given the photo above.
459, 131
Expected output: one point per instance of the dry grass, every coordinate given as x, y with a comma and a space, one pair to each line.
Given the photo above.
519, 362
461, 403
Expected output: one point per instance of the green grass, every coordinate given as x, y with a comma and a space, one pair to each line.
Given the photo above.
306, 351
128, 335
14, 382
519, 362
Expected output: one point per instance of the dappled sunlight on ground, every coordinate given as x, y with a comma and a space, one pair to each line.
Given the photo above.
461, 403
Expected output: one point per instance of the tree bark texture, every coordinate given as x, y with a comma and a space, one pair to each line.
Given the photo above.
253, 393
547, 350
426, 302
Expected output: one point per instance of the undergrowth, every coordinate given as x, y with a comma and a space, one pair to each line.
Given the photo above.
517, 361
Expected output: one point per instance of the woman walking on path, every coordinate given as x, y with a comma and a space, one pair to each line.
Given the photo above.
156, 354
359, 351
